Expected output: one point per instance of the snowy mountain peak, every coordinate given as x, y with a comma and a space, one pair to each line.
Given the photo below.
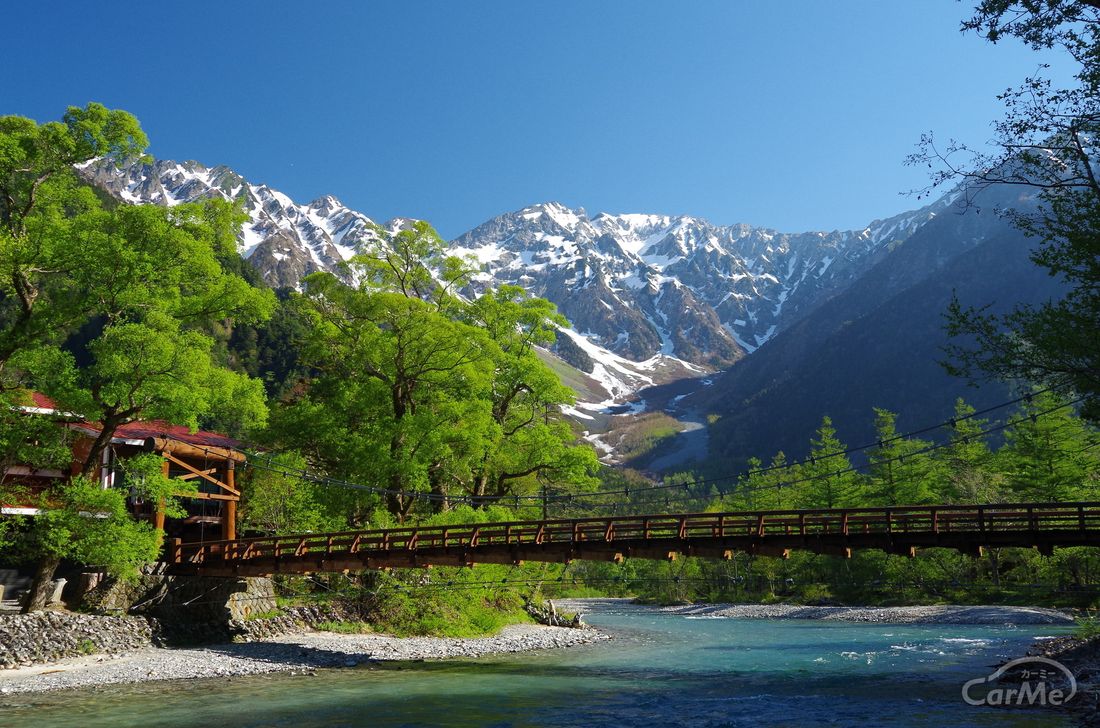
283, 240
647, 284
640, 285
327, 205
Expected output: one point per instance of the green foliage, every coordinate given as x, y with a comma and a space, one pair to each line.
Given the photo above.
901, 471
145, 475
1049, 455
110, 311
765, 488
90, 525
269, 350
44, 217
403, 262
149, 360
1044, 141
139, 283
345, 627
1088, 627
454, 611
418, 391
965, 468
824, 482
276, 504
28, 439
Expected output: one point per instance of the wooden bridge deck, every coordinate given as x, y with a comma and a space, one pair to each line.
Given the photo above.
899, 530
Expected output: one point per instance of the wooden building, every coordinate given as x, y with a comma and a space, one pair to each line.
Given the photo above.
208, 458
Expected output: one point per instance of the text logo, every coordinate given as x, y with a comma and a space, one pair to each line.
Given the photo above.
1041, 681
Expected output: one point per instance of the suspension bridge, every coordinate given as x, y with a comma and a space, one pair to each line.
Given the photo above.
838, 531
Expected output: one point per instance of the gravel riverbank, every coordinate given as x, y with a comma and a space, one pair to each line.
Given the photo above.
938, 614
292, 653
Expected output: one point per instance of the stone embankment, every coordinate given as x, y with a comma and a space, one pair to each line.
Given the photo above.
44, 637
31, 639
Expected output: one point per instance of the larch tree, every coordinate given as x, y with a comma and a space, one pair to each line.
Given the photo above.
1050, 453
826, 480
901, 468
964, 465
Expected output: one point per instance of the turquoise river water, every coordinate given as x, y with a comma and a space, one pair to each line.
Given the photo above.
659, 670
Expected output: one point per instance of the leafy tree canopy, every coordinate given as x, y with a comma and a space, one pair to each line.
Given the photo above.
420, 390
1046, 143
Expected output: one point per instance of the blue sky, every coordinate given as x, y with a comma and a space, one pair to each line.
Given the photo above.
791, 114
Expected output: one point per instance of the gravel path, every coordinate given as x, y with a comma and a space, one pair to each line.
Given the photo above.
939, 614
291, 653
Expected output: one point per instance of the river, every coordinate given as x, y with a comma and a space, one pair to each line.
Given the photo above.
660, 670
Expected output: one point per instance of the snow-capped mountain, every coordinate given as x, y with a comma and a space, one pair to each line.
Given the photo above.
645, 293
284, 240
643, 285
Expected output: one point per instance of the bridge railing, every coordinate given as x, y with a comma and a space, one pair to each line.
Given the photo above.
993, 518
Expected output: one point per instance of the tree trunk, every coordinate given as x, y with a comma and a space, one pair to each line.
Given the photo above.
42, 584
101, 442
439, 489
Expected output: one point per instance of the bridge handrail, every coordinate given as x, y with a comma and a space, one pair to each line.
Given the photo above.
940, 517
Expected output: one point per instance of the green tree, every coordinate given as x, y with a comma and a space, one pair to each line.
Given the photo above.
274, 501
1049, 452
26, 439
531, 436
42, 204
413, 262
405, 387
140, 282
1045, 142
86, 524
766, 488
965, 468
150, 282
901, 472
81, 521
826, 478
104, 309
422, 392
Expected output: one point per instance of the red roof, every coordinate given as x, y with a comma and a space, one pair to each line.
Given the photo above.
143, 430
157, 428
42, 401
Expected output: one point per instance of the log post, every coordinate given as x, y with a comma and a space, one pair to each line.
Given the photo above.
230, 525
158, 518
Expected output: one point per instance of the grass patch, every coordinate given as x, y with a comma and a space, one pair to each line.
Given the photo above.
443, 613
639, 436
1088, 626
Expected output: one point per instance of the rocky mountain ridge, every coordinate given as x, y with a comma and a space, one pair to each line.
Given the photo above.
651, 297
